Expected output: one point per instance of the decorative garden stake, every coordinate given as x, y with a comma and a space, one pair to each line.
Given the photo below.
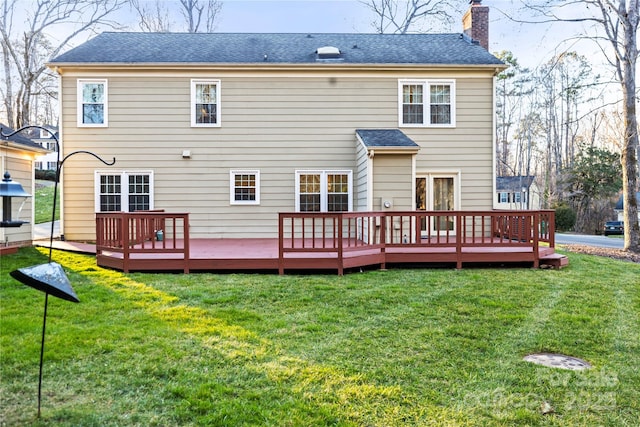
49, 278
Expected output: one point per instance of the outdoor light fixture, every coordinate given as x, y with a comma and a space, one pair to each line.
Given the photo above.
8, 190
49, 278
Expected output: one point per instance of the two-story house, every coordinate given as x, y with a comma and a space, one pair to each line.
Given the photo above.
234, 128
45, 138
520, 192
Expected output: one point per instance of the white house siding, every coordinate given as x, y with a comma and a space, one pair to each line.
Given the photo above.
273, 121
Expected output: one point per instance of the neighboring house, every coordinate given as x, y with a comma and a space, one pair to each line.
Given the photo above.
45, 138
517, 192
234, 128
619, 209
17, 155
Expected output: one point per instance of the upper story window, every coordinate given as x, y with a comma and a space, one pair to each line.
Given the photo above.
426, 103
323, 191
92, 103
205, 103
245, 187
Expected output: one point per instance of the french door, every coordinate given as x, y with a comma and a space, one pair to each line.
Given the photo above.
437, 192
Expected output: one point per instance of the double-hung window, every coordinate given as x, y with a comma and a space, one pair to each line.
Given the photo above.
517, 197
323, 191
426, 103
205, 103
245, 187
92, 103
126, 191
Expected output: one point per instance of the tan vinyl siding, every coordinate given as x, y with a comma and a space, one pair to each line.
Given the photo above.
392, 181
21, 170
361, 179
273, 122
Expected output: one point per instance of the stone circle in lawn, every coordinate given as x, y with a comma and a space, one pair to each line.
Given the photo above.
560, 361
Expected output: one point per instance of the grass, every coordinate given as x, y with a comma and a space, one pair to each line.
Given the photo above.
44, 203
379, 348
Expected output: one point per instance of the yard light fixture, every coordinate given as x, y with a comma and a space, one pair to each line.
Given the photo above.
49, 278
8, 190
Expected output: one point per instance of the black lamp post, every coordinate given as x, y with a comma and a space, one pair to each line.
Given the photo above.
49, 278
8, 190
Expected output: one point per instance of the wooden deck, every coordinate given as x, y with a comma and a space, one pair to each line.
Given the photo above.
334, 242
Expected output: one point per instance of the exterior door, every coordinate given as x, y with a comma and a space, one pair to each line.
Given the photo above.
437, 193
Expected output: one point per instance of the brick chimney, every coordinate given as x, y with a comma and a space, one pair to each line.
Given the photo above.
475, 23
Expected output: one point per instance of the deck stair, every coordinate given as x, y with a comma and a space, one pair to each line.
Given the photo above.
554, 260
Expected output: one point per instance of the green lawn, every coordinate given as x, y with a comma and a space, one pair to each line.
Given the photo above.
44, 203
379, 348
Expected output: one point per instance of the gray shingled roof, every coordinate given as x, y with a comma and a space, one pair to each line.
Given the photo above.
236, 48
17, 138
620, 203
513, 182
391, 138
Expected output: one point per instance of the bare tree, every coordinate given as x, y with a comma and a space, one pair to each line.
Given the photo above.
198, 15
153, 17
404, 16
617, 22
26, 46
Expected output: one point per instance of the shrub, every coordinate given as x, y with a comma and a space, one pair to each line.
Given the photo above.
565, 218
45, 174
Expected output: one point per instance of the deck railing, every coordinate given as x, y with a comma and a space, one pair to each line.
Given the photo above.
121, 236
353, 231
147, 232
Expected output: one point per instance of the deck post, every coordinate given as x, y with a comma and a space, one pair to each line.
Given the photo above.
187, 256
536, 236
383, 240
551, 227
124, 226
460, 238
340, 246
280, 244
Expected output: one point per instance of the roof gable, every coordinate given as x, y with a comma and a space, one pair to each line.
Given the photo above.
283, 48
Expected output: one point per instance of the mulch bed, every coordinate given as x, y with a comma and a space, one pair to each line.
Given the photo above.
618, 254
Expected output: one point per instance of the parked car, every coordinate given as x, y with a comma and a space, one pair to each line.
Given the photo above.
613, 227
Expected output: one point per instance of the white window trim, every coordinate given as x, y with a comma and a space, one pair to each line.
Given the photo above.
457, 181
124, 195
80, 102
426, 99
193, 103
232, 188
323, 187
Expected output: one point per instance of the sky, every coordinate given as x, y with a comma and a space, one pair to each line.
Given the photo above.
531, 44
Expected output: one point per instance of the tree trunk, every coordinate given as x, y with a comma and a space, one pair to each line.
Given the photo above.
630, 149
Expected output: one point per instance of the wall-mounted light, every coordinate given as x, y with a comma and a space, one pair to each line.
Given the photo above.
8, 190
387, 204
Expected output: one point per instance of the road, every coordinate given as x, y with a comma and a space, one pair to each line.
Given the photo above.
616, 242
